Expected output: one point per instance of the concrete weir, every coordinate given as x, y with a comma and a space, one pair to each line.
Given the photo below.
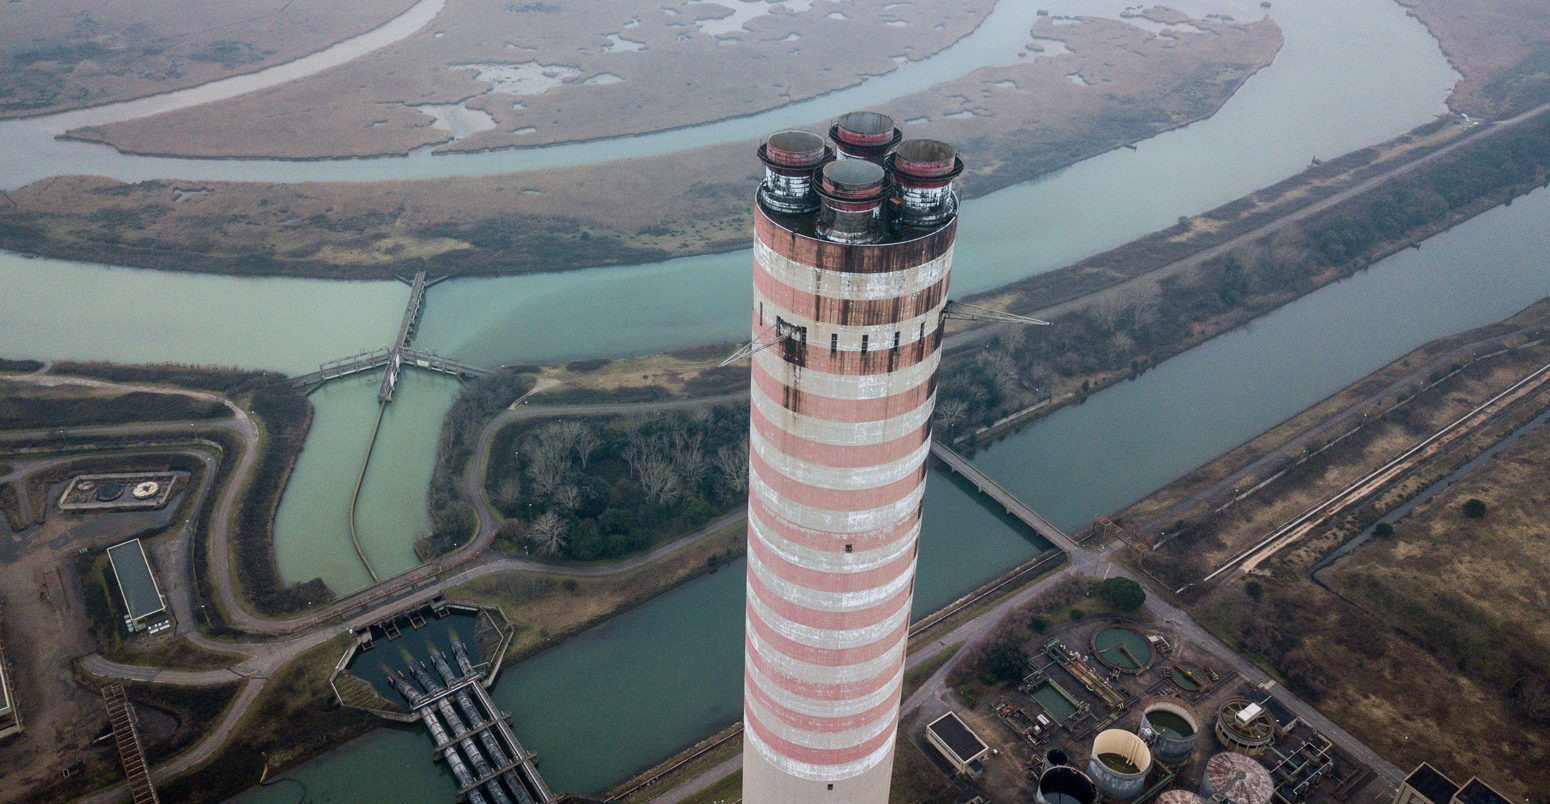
446, 690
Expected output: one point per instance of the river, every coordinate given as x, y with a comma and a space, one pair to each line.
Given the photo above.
1351, 74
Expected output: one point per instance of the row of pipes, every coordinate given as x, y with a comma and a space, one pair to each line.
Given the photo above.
429, 687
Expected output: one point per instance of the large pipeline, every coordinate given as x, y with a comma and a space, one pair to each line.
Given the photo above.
492, 746
438, 733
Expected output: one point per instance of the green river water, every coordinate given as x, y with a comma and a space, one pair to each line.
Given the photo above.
620, 696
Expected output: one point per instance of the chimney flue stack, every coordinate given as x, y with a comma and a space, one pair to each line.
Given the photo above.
790, 158
864, 135
853, 192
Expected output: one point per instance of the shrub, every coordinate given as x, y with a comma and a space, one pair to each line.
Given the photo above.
1474, 508
1122, 594
1383, 530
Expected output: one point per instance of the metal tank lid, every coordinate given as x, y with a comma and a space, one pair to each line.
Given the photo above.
1240, 777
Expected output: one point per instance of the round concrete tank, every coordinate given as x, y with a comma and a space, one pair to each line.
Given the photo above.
1066, 785
1237, 779
1119, 764
1244, 726
1170, 726
1180, 797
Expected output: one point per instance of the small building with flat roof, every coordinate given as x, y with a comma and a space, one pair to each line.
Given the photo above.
1427, 785
954, 741
10, 719
146, 610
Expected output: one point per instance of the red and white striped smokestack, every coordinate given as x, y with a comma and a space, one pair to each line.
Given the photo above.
839, 436
790, 158
864, 135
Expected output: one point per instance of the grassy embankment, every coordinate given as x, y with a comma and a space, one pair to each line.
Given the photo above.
1012, 122
1413, 629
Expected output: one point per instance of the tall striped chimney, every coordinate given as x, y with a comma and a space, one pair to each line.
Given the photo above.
852, 281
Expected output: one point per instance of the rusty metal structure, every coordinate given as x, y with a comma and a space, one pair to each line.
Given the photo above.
852, 257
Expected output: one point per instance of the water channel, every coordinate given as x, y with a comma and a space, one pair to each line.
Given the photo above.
597, 688
1351, 74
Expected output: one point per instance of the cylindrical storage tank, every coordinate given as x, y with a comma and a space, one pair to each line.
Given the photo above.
1180, 797
1244, 726
1170, 727
847, 323
1236, 779
1066, 785
790, 158
1119, 764
864, 135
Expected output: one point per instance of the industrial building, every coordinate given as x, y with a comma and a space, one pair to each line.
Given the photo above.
957, 743
852, 254
145, 609
1427, 785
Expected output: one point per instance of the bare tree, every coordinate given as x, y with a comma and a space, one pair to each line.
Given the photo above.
1121, 346
508, 492
951, 413
1107, 309
548, 533
732, 463
690, 459
548, 462
585, 441
658, 479
567, 497
1003, 370
1143, 298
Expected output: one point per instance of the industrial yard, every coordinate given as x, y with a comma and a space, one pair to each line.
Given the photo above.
1143, 714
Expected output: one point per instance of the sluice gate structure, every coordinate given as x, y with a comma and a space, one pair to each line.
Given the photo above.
394, 357
432, 673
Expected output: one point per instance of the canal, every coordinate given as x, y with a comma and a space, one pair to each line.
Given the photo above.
598, 687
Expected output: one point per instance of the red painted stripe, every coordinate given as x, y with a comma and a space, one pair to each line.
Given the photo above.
819, 756
828, 657
839, 455
880, 358
827, 499
829, 619
820, 691
847, 312
828, 256
819, 724
827, 541
828, 581
835, 409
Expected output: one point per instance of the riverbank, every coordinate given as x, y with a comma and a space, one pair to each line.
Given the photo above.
1013, 123
1398, 657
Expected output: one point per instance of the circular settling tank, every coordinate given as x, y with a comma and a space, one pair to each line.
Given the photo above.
1121, 648
1190, 676
1180, 797
1237, 779
108, 492
1065, 785
1243, 726
146, 490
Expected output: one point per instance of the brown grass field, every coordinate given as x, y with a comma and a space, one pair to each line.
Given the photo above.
1502, 47
65, 54
1014, 123
618, 67
1428, 645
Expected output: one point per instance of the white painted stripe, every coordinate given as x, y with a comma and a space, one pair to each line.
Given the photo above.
828, 638
825, 600
847, 285
818, 773
826, 708
847, 386
838, 477
822, 673
832, 560
879, 336
836, 521
823, 740
849, 434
